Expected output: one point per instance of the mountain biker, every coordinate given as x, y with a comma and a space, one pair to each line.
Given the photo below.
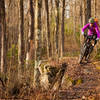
93, 30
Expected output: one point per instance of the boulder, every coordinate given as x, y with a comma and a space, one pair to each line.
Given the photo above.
48, 76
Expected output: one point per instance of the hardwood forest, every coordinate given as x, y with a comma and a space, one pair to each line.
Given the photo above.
40, 45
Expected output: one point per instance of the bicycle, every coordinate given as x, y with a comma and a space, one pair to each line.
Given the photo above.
87, 47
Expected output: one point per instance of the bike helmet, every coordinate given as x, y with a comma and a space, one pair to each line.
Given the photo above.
91, 20
96, 20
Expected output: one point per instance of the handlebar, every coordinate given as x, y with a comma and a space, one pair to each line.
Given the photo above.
89, 37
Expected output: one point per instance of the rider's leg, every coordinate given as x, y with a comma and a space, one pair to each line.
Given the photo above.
95, 42
90, 51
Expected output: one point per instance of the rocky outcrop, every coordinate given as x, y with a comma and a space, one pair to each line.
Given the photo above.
48, 76
51, 75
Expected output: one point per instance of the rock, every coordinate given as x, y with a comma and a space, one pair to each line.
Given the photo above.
48, 76
44, 81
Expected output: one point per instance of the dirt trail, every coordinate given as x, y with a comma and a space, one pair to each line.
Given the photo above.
88, 87
84, 83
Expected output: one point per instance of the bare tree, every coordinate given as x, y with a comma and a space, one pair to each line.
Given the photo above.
57, 27
62, 29
84, 12
37, 42
74, 21
21, 35
88, 10
44, 24
30, 51
82, 18
3, 35
48, 28
81, 11
95, 8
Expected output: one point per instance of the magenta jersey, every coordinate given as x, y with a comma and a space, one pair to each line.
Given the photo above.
92, 29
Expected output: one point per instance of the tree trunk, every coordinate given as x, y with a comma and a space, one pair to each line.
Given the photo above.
81, 11
57, 28
21, 36
48, 28
84, 12
95, 9
81, 20
52, 30
37, 42
30, 46
3, 35
74, 22
44, 26
88, 10
62, 30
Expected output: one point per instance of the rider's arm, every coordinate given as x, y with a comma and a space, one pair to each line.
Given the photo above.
85, 27
97, 30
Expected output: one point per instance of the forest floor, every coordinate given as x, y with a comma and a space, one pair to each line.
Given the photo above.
86, 82
83, 83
